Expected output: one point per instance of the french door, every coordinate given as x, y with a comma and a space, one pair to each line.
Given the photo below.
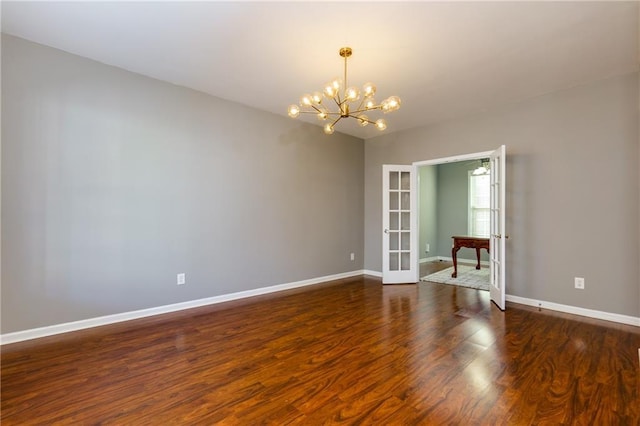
497, 232
400, 222
399, 257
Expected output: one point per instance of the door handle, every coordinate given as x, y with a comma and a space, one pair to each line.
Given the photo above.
386, 231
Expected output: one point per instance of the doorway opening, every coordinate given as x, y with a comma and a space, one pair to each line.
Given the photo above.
454, 201
497, 215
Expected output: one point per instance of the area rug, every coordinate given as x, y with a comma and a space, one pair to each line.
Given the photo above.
468, 276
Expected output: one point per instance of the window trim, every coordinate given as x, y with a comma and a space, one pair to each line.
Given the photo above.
470, 208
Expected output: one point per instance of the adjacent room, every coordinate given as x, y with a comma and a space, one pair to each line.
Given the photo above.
454, 200
234, 212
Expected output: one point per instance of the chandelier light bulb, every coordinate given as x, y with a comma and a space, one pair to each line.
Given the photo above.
328, 128
332, 88
306, 100
345, 102
294, 111
316, 97
329, 91
352, 94
370, 103
368, 90
394, 103
381, 124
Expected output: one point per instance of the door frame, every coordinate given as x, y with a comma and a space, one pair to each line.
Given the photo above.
415, 208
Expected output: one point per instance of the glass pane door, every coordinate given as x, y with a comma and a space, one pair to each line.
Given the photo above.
398, 253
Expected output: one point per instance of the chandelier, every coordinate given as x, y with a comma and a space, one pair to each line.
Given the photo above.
484, 168
349, 102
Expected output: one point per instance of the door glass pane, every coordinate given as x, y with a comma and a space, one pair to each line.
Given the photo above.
405, 181
405, 200
393, 180
404, 224
393, 201
406, 261
393, 221
405, 241
393, 241
393, 262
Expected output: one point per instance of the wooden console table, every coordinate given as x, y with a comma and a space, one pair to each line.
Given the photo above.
469, 242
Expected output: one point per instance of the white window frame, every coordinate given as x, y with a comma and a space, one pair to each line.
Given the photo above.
471, 208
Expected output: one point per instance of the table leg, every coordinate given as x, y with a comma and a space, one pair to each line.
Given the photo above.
454, 255
478, 256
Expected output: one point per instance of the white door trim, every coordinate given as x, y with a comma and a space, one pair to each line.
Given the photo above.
454, 159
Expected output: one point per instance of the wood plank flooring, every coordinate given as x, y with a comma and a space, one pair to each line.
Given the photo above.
346, 352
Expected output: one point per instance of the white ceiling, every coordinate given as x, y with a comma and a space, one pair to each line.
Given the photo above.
444, 59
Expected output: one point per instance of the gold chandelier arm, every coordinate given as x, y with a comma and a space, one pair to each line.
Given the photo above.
358, 117
307, 112
308, 109
337, 99
366, 109
317, 111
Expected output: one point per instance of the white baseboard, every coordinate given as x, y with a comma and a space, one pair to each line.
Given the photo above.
35, 333
591, 313
372, 273
429, 259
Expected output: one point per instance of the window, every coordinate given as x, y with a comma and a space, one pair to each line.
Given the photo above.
479, 204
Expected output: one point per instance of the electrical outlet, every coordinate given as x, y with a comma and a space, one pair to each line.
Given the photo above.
579, 283
353, 256
181, 279
426, 249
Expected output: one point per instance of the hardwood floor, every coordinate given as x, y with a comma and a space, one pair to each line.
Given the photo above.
346, 352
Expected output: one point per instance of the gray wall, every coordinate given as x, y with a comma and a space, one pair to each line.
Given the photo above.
572, 189
452, 206
112, 183
428, 211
